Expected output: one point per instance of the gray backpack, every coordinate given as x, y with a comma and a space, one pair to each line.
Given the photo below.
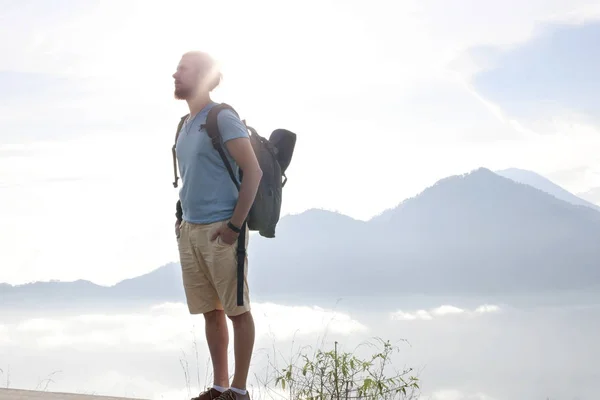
274, 156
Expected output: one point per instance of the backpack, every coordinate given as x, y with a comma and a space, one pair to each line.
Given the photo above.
274, 156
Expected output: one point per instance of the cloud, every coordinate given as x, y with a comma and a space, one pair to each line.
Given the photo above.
447, 310
487, 308
5, 338
407, 316
540, 79
281, 322
166, 327
442, 312
164, 331
453, 394
39, 325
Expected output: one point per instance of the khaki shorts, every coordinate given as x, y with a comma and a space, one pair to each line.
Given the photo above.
209, 271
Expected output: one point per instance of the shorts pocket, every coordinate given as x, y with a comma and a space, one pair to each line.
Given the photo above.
219, 243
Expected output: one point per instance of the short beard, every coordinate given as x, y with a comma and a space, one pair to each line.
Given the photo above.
183, 93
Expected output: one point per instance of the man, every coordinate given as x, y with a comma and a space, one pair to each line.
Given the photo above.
212, 214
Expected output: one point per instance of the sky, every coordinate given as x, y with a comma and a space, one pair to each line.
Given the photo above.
386, 99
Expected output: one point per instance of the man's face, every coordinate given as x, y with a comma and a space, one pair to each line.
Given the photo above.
186, 79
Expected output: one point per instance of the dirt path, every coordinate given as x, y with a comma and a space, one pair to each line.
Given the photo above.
14, 394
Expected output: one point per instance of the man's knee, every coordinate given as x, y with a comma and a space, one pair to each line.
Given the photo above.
214, 316
242, 318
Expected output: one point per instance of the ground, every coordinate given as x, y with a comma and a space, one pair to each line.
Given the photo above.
14, 394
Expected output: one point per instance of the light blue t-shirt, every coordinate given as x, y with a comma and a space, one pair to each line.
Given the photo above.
207, 193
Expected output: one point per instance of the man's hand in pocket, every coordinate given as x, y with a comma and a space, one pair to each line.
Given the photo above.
177, 229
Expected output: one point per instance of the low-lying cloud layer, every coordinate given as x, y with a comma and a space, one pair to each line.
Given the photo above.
458, 395
165, 327
443, 311
457, 350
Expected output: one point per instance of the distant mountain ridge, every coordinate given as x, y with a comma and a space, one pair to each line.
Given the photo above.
546, 185
476, 233
162, 284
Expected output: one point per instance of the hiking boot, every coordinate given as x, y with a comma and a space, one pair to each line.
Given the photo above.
211, 394
231, 395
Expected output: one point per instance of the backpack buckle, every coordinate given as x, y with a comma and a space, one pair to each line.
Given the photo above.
215, 142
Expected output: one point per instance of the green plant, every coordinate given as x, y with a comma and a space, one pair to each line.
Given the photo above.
331, 375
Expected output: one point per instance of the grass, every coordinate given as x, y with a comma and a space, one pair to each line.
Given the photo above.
339, 375
42, 385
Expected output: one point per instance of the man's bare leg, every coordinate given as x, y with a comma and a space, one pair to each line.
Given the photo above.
217, 336
243, 345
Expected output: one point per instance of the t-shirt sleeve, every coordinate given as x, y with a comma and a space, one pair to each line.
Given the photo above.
230, 126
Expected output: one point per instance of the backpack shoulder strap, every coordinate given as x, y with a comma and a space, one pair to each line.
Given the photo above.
212, 126
173, 152
212, 129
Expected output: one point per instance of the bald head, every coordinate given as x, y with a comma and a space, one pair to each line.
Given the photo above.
197, 74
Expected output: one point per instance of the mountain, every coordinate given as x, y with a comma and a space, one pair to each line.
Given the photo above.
471, 234
544, 184
162, 284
